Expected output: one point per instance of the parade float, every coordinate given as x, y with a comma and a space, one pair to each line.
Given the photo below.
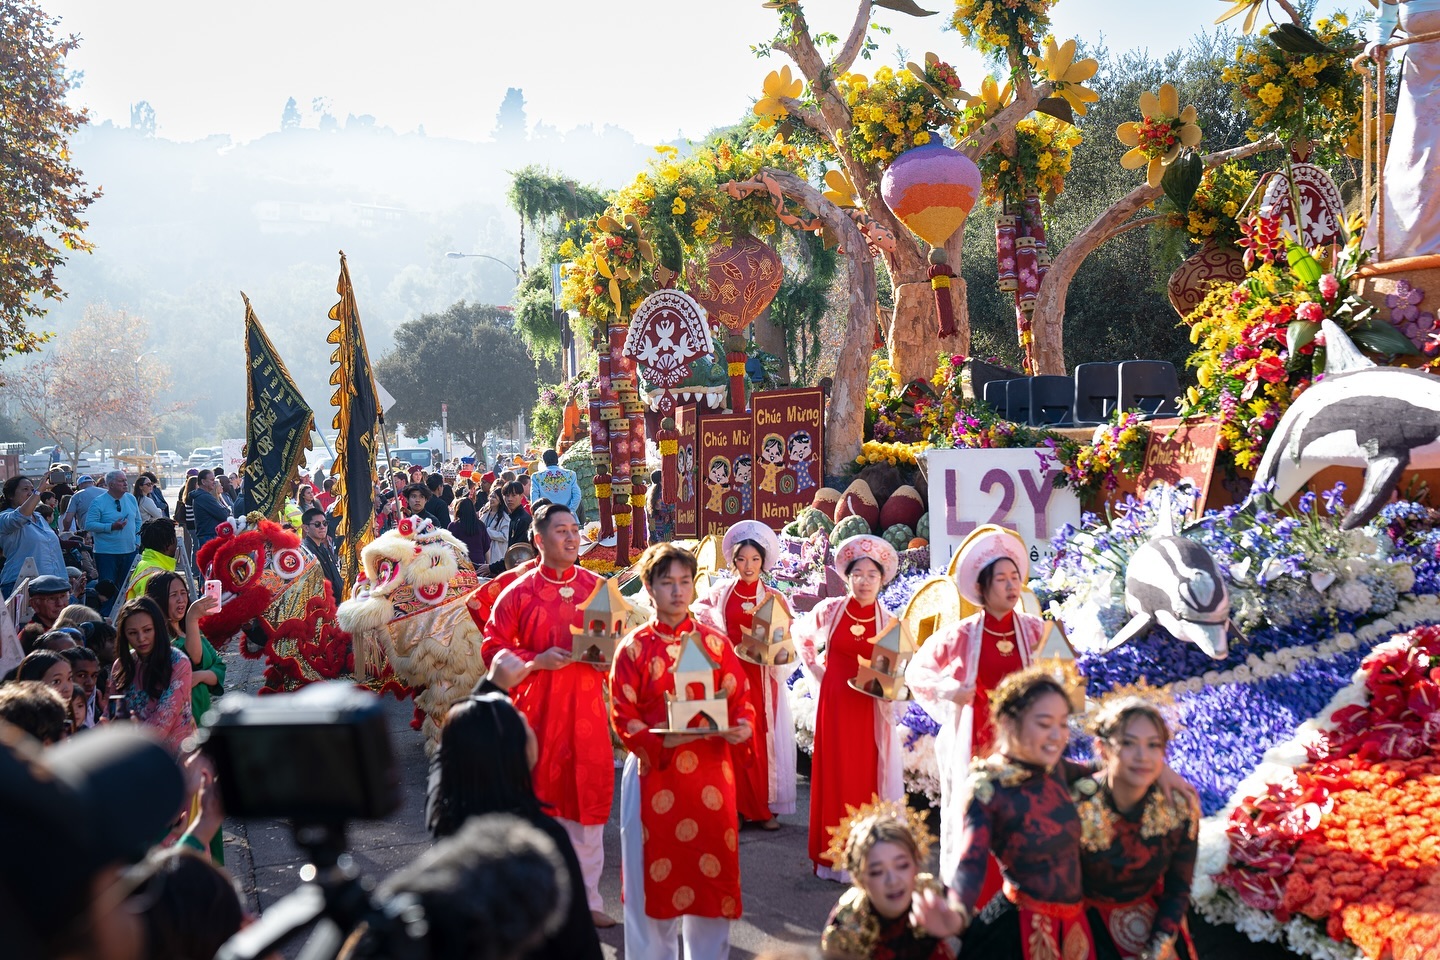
1307, 715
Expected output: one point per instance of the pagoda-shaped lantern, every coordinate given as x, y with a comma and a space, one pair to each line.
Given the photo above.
767, 642
883, 675
603, 624
695, 704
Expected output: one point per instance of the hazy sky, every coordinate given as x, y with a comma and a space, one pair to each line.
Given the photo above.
654, 67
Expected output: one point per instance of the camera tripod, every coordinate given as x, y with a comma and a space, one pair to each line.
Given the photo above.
334, 898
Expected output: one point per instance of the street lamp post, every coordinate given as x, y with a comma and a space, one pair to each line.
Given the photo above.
457, 255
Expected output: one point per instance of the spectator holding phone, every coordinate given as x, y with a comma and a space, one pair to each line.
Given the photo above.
182, 619
152, 677
24, 533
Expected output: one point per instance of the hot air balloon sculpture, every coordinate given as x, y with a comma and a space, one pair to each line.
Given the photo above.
932, 189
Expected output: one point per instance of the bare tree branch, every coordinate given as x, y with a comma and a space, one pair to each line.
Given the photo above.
845, 417
853, 43
807, 115
1049, 314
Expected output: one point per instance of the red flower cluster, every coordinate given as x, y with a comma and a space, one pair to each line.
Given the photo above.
1355, 841
1262, 239
1157, 136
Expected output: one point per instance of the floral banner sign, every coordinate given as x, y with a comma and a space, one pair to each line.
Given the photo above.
724, 474
687, 516
1014, 488
788, 452
1180, 453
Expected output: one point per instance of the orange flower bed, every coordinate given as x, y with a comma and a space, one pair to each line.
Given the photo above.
1354, 842
1371, 870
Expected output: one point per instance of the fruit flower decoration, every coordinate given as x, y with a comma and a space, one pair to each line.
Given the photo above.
1161, 134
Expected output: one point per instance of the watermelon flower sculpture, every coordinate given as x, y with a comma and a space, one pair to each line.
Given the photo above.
1161, 133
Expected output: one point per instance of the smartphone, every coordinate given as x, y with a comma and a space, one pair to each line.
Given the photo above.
117, 709
213, 589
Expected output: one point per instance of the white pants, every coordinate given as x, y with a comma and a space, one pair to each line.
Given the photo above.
589, 844
706, 938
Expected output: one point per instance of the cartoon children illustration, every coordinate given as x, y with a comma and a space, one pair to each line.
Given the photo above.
772, 461
744, 469
718, 482
800, 460
685, 463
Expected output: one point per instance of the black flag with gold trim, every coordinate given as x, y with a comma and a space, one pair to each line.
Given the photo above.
356, 411
277, 426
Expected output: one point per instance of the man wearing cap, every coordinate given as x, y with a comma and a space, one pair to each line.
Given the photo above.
48, 596
557, 484
73, 819
85, 494
113, 520
563, 701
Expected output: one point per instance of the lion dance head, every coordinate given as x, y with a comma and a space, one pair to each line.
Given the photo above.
275, 595
409, 602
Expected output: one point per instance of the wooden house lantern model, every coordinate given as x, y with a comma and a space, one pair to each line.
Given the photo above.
883, 675
695, 704
603, 624
768, 639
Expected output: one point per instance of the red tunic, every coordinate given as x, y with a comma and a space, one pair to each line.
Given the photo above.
687, 793
752, 758
481, 600
994, 666
575, 775
846, 758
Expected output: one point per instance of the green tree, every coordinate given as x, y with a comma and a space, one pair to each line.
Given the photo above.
44, 194
468, 357
510, 121
290, 116
553, 206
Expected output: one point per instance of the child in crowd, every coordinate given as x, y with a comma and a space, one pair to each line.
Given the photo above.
85, 673
883, 847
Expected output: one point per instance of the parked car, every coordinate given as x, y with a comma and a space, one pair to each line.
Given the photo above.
199, 455
169, 458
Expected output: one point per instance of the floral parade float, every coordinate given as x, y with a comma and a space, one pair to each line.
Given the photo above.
1311, 725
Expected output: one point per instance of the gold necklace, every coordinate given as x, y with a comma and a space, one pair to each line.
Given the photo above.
857, 629
1006, 647
566, 591
747, 604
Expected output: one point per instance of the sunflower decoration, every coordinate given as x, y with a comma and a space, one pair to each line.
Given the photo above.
840, 190
1160, 135
1067, 76
779, 85
1251, 9
983, 106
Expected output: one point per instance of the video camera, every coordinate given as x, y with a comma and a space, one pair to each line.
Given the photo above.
318, 758
321, 758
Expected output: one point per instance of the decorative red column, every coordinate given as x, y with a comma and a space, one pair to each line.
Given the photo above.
668, 440
735, 357
601, 393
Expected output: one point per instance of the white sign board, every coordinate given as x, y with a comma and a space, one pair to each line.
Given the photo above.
1012, 488
232, 456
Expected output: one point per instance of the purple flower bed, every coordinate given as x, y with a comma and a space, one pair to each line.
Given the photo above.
1159, 659
1224, 731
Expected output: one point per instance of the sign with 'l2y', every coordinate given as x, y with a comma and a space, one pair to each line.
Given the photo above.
1014, 488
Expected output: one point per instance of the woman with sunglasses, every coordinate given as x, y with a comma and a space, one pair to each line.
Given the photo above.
149, 509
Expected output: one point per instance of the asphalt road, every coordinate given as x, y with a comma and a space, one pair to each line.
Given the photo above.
783, 902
